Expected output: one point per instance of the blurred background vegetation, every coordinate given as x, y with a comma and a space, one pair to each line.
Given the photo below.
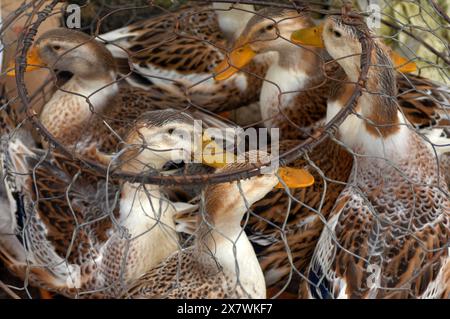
419, 18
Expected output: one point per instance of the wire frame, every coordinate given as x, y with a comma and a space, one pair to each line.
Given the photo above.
36, 12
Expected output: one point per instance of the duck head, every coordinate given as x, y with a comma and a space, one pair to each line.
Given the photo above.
159, 138
72, 51
163, 139
377, 106
269, 30
169, 136
342, 43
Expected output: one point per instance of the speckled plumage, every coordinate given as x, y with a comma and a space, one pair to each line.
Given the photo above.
209, 269
388, 233
91, 112
71, 220
381, 220
181, 49
182, 276
304, 108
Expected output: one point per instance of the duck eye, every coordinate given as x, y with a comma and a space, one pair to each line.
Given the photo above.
56, 47
337, 34
270, 27
170, 130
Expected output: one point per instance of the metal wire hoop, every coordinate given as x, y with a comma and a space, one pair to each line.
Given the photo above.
152, 178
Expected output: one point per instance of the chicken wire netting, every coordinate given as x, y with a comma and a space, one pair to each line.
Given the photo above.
71, 173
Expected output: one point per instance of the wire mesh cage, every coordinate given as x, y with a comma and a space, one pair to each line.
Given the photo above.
226, 149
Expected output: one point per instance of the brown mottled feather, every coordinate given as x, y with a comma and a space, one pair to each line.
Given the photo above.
424, 102
190, 43
303, 224
174, 279
388, 233
305, 110
409, 244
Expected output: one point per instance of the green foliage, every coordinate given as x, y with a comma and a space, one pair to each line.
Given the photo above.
419, 18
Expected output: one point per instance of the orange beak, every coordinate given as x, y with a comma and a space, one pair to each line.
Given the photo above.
309, 36
33, 62
402, 64
213, 155
294, 178
237, 59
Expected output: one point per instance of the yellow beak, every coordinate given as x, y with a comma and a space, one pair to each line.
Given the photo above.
213, 155
309, 36
294, 177
313, 37
402, 64
237, 59
33, 62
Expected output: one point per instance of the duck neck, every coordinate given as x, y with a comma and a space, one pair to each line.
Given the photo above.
299, 60
232, 22
220, 229
142, 206
67, 112
377, 130
146, 230
222, 245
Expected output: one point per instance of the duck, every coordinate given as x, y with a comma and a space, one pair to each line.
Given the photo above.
285, 228
90, 113
181, 49
291, 79
299, 82
222, 262
387, 235
74, 231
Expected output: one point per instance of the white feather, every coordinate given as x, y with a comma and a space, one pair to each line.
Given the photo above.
276, 83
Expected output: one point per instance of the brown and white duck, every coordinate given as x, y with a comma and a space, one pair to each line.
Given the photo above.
91, 112
298, 83
82, 234
301, 94
222, 263
388, 233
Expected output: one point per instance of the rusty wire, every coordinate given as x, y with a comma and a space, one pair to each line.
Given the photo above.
303, 148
